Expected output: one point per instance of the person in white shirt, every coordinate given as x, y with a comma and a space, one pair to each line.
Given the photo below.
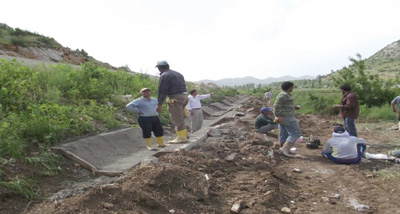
194, 108
268, 96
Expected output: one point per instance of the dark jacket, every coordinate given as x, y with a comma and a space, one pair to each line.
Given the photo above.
263, 120
170, 82
350, 107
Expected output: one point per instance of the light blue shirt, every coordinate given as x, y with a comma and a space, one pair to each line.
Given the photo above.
146, 108
396, 100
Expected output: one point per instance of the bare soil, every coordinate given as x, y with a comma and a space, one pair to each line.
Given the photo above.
240, 166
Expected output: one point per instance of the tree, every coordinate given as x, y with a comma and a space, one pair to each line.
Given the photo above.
370, 89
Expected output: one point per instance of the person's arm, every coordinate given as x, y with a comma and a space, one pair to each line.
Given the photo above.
203, 96
133, 106
162, 89
327, 148
279, 102
350, 103
393, 108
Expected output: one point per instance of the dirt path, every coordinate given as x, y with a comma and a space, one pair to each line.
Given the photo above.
237, 166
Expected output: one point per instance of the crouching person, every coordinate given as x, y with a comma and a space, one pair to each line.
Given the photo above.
265, 121
148, 118
343, 148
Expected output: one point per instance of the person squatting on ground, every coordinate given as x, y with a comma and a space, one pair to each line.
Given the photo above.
265, 121
343, 148
396, 102
289, 129
172, 84
349, 109
148, 117
268, 96
194, 108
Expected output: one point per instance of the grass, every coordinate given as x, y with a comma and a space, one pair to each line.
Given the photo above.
387, 175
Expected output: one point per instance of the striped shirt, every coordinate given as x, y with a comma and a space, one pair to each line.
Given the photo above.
284, 105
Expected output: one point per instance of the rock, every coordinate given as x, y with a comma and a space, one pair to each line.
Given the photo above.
336, 196
172, 211
297, 170
126, 98
239, 114
285, 210
230, 157
325, 199
108, 205
214, 133
237, 207
148, 161
369, 176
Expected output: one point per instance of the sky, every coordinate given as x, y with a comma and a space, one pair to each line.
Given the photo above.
215, 39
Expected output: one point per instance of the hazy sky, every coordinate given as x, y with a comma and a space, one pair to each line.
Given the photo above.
214, 39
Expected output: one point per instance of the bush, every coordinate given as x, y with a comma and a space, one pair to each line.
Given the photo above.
19, 41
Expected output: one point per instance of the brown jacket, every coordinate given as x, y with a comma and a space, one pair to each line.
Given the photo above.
350, 107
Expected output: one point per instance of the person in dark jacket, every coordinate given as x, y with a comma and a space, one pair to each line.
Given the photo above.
172, 84
349, 109
265, 121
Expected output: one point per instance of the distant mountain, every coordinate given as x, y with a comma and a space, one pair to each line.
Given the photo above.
248, 79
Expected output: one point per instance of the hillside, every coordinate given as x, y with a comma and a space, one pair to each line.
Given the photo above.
23, 44
385, 62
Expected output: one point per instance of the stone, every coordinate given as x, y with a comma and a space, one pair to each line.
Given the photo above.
325, 199
148, 161
285, 210
214, 133
108, 205
297, 170
230, 157
237, 207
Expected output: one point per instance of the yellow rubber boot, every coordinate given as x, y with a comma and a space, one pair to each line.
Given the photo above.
160, 141
181, 137
148, 143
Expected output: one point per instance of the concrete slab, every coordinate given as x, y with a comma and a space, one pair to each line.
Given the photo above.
211, 112
219, 106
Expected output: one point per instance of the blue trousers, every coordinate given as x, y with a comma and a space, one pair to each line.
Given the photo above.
349, 125
151, 124
289, 130
360, 150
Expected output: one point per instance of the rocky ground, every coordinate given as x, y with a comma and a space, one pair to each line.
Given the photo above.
237, 170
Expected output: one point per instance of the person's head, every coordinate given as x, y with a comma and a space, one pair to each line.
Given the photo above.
145, 92
287, 86
267, 90
339, 131
266, 111
193, 92
162, 65
345, 88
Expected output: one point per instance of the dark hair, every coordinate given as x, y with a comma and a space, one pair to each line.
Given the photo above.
164, 67
286, 85
345, 87
192, 91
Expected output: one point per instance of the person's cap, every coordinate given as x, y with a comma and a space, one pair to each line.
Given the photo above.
144, 89
339, 129
161, 63
265, 109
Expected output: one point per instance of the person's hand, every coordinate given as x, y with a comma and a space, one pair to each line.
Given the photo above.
139, 113
394, 110
191, 112
337, 106
158, 109
297, 107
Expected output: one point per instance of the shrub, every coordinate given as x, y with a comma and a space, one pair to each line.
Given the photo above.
19, 41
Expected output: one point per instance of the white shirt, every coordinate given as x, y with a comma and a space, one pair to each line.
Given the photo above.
268, 94
194, 102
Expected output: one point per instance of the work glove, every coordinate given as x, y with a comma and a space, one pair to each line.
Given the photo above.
171, 101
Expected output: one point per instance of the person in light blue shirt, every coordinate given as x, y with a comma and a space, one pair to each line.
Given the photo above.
396, 108
148, 119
